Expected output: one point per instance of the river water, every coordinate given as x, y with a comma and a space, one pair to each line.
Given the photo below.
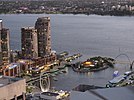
89, 35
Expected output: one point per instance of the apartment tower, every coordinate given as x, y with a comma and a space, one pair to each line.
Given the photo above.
29, 42
4, 45
44, 37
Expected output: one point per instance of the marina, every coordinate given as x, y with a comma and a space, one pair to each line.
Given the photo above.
97, 53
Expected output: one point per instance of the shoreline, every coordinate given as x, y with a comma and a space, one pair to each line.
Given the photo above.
66, 14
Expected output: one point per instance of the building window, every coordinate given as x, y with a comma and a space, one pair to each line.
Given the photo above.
4, 36
4, 47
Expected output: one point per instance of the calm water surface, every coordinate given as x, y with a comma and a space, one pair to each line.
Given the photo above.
90, 35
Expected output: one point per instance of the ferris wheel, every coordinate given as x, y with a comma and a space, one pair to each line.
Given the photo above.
44, 82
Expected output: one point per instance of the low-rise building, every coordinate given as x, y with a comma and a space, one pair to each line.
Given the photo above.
12, 69
117, 93
39, 62
12, 88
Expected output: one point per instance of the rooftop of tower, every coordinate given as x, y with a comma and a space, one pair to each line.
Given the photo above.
27, 28
43, 18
